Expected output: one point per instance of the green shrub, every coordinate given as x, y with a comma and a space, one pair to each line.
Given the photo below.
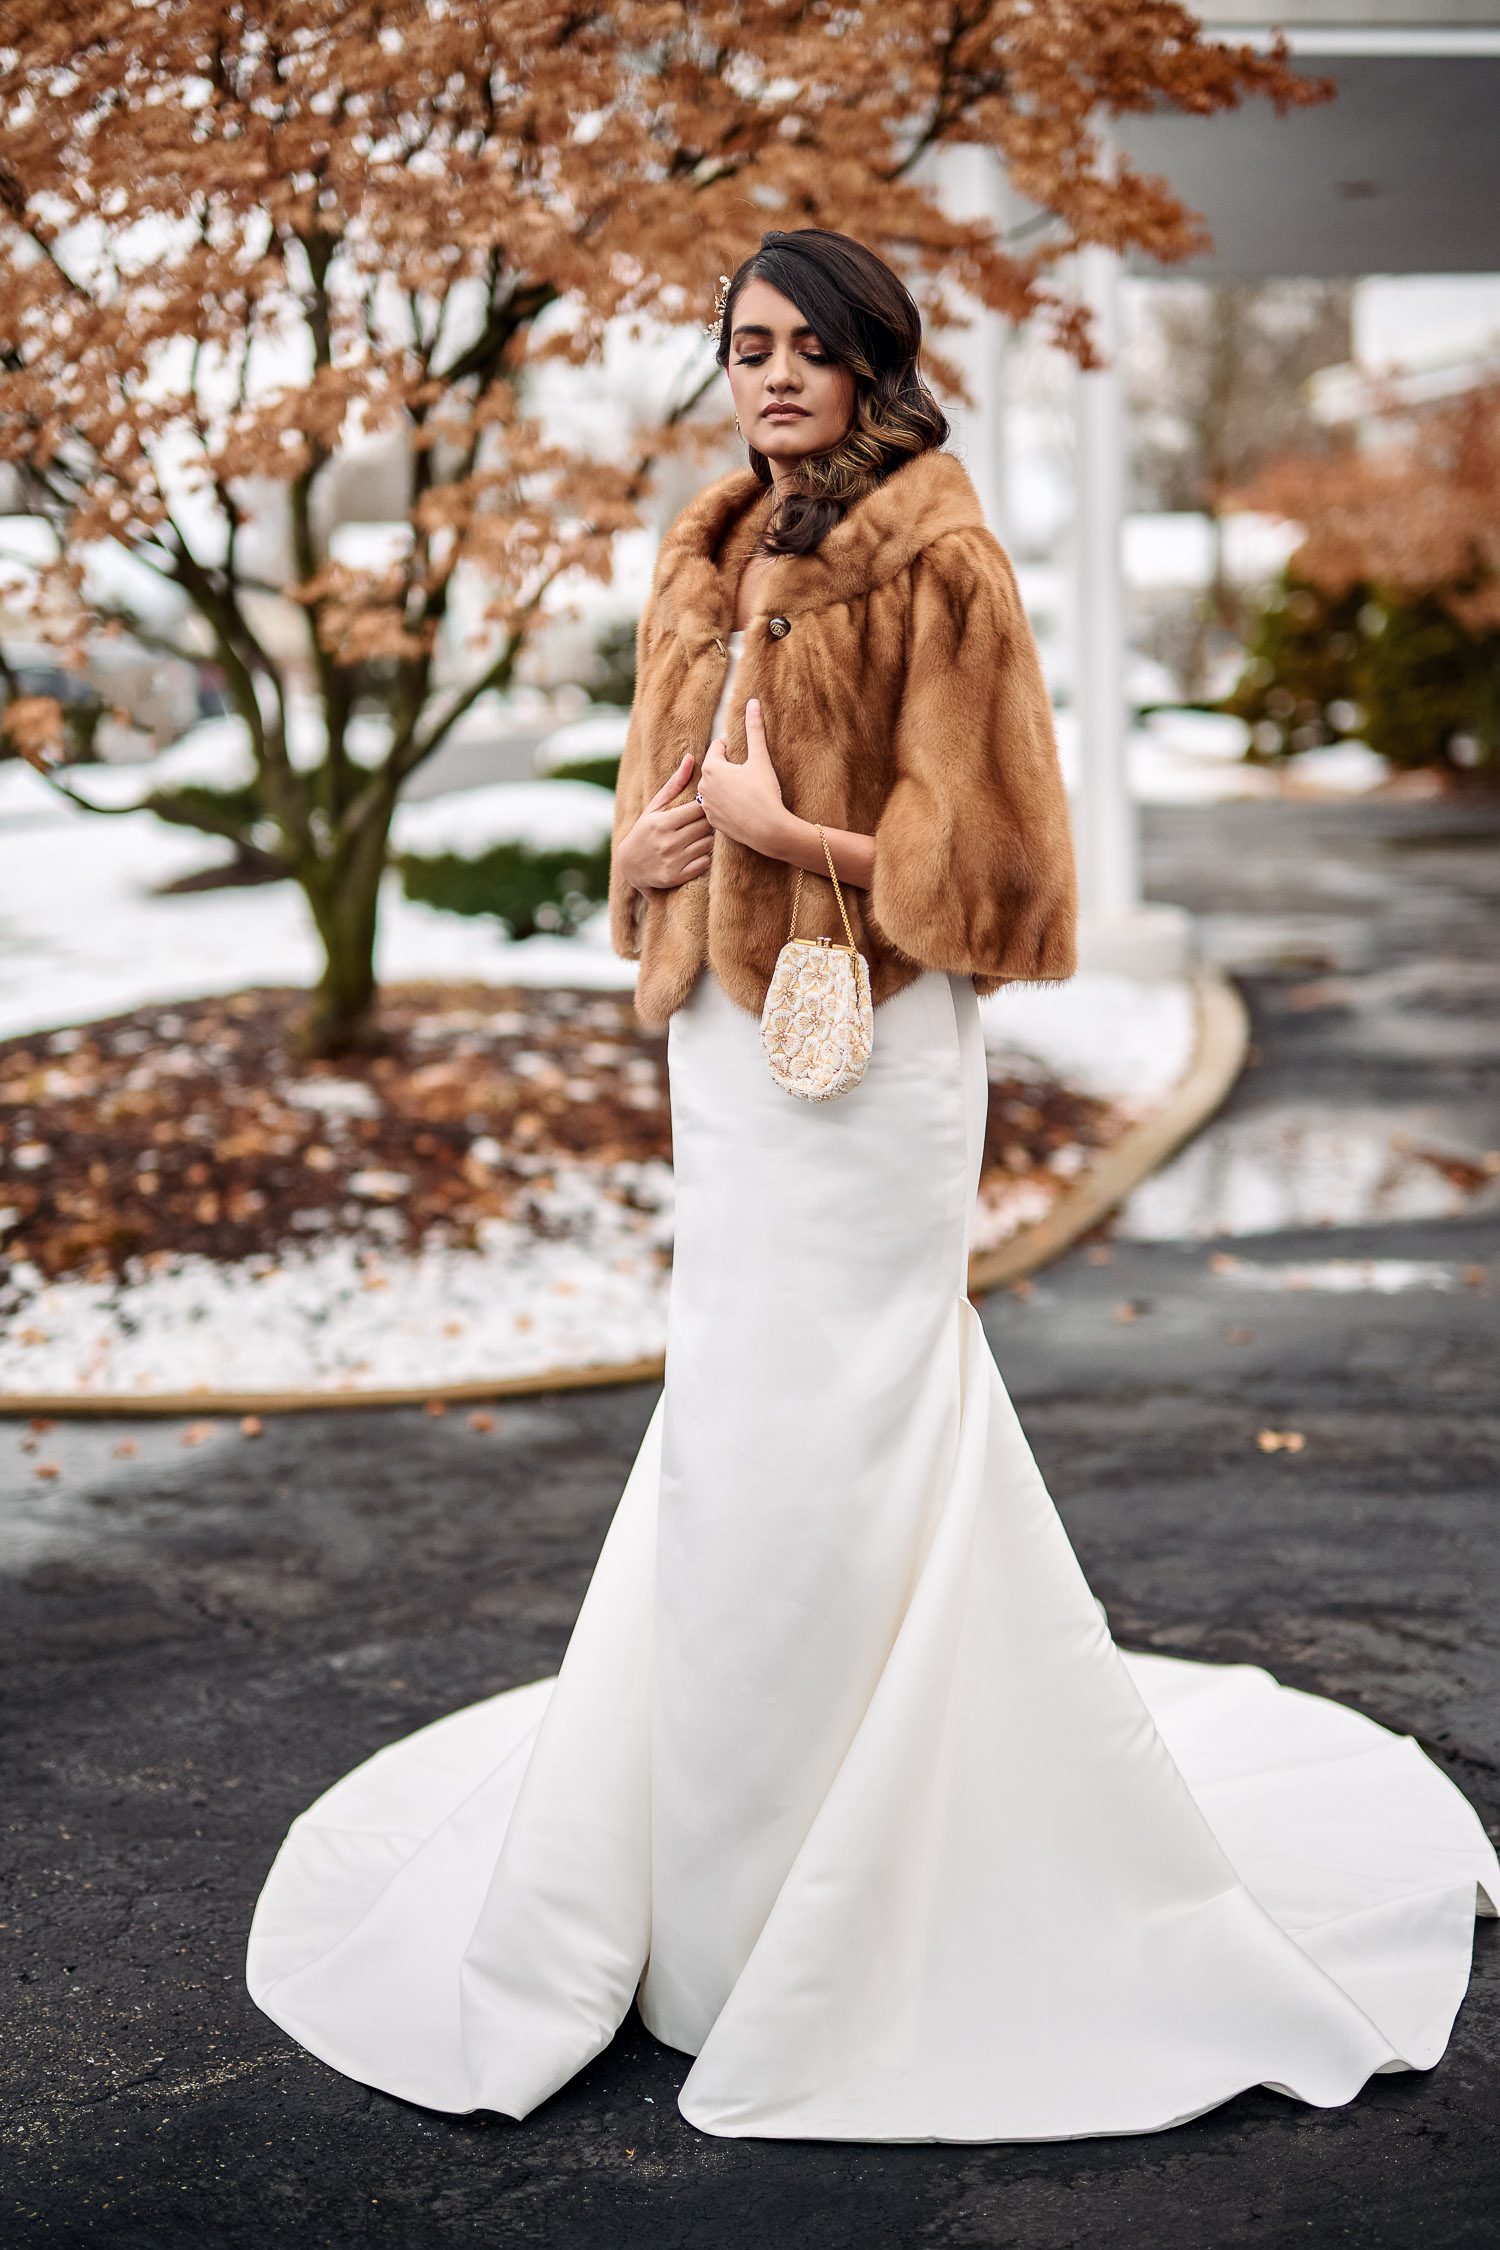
604, 770
1400, 674
613, 676
1429, 687
529, 891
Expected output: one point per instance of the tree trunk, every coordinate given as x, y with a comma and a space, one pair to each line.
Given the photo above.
1223, 597
344, 895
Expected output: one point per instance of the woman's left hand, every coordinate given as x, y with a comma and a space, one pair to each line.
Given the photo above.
743, 800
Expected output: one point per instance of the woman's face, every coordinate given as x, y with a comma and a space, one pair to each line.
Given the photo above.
776, 364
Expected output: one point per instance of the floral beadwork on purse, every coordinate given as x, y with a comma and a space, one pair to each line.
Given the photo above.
817, 1024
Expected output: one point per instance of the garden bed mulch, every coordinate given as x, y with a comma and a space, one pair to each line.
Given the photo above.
189, 1204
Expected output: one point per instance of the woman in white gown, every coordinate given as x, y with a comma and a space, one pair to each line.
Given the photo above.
842, 1779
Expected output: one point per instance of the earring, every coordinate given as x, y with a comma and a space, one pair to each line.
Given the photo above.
737, 430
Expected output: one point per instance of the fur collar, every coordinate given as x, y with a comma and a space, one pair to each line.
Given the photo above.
927, 497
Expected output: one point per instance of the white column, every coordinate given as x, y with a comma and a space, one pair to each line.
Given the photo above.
1118, 930
971, 184
1108, 863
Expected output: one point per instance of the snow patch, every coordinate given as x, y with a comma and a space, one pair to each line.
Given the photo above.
588, 1290
1346, 769
1383, 1277
1127, 1040
83, 935
544, 816
1292, 1167
598, 734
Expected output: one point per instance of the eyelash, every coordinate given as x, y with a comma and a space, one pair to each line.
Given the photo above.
818, 359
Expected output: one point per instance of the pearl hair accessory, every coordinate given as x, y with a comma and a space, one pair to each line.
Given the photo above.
719, 303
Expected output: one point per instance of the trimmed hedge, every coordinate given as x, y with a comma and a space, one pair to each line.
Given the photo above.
529, 891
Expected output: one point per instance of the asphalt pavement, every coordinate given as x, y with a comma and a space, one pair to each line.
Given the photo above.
199, 1636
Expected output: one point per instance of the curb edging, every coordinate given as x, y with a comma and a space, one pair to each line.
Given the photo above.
1223, 1036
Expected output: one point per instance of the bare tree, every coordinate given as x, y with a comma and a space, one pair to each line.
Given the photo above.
1218, 381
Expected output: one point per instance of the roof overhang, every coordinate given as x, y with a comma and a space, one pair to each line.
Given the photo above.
1399, 173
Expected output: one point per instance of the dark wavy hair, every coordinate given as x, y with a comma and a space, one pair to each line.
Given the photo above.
866, 320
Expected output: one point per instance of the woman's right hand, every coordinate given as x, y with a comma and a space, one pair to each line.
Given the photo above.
669, 844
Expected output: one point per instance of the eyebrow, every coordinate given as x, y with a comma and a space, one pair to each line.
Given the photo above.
759, 328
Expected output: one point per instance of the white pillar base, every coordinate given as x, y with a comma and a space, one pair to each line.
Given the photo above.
1153, 942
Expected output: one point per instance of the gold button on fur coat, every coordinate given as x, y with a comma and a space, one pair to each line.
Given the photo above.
902, 696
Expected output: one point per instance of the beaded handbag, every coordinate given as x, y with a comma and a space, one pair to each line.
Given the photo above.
817, 1025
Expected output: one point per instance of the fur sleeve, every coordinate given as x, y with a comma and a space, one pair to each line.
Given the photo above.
626, 903
974, 866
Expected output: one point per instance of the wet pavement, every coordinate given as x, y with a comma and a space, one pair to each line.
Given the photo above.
198, 1636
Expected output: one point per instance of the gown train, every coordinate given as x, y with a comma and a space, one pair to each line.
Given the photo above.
843, 1780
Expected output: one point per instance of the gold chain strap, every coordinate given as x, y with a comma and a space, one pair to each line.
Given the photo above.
838, 894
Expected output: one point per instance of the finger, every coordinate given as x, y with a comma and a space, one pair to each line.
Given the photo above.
755, 729
673, 782
698, 866
680, 816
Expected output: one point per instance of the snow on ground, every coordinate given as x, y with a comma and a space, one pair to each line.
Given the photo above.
81, 936
1383, 1277
1183, 757
339, 1317
1126, 1040
1004, 1207
1171, 760
1345, 768
1302, 1166
598, 734
216, 754
546, 816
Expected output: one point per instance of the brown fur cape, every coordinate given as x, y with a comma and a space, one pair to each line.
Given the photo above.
903, 697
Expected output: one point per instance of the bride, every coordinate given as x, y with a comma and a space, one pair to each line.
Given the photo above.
843, 1781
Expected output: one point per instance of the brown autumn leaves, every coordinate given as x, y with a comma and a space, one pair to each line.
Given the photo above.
233, 241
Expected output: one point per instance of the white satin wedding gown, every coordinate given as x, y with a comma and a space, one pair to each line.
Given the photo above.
842, 1779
